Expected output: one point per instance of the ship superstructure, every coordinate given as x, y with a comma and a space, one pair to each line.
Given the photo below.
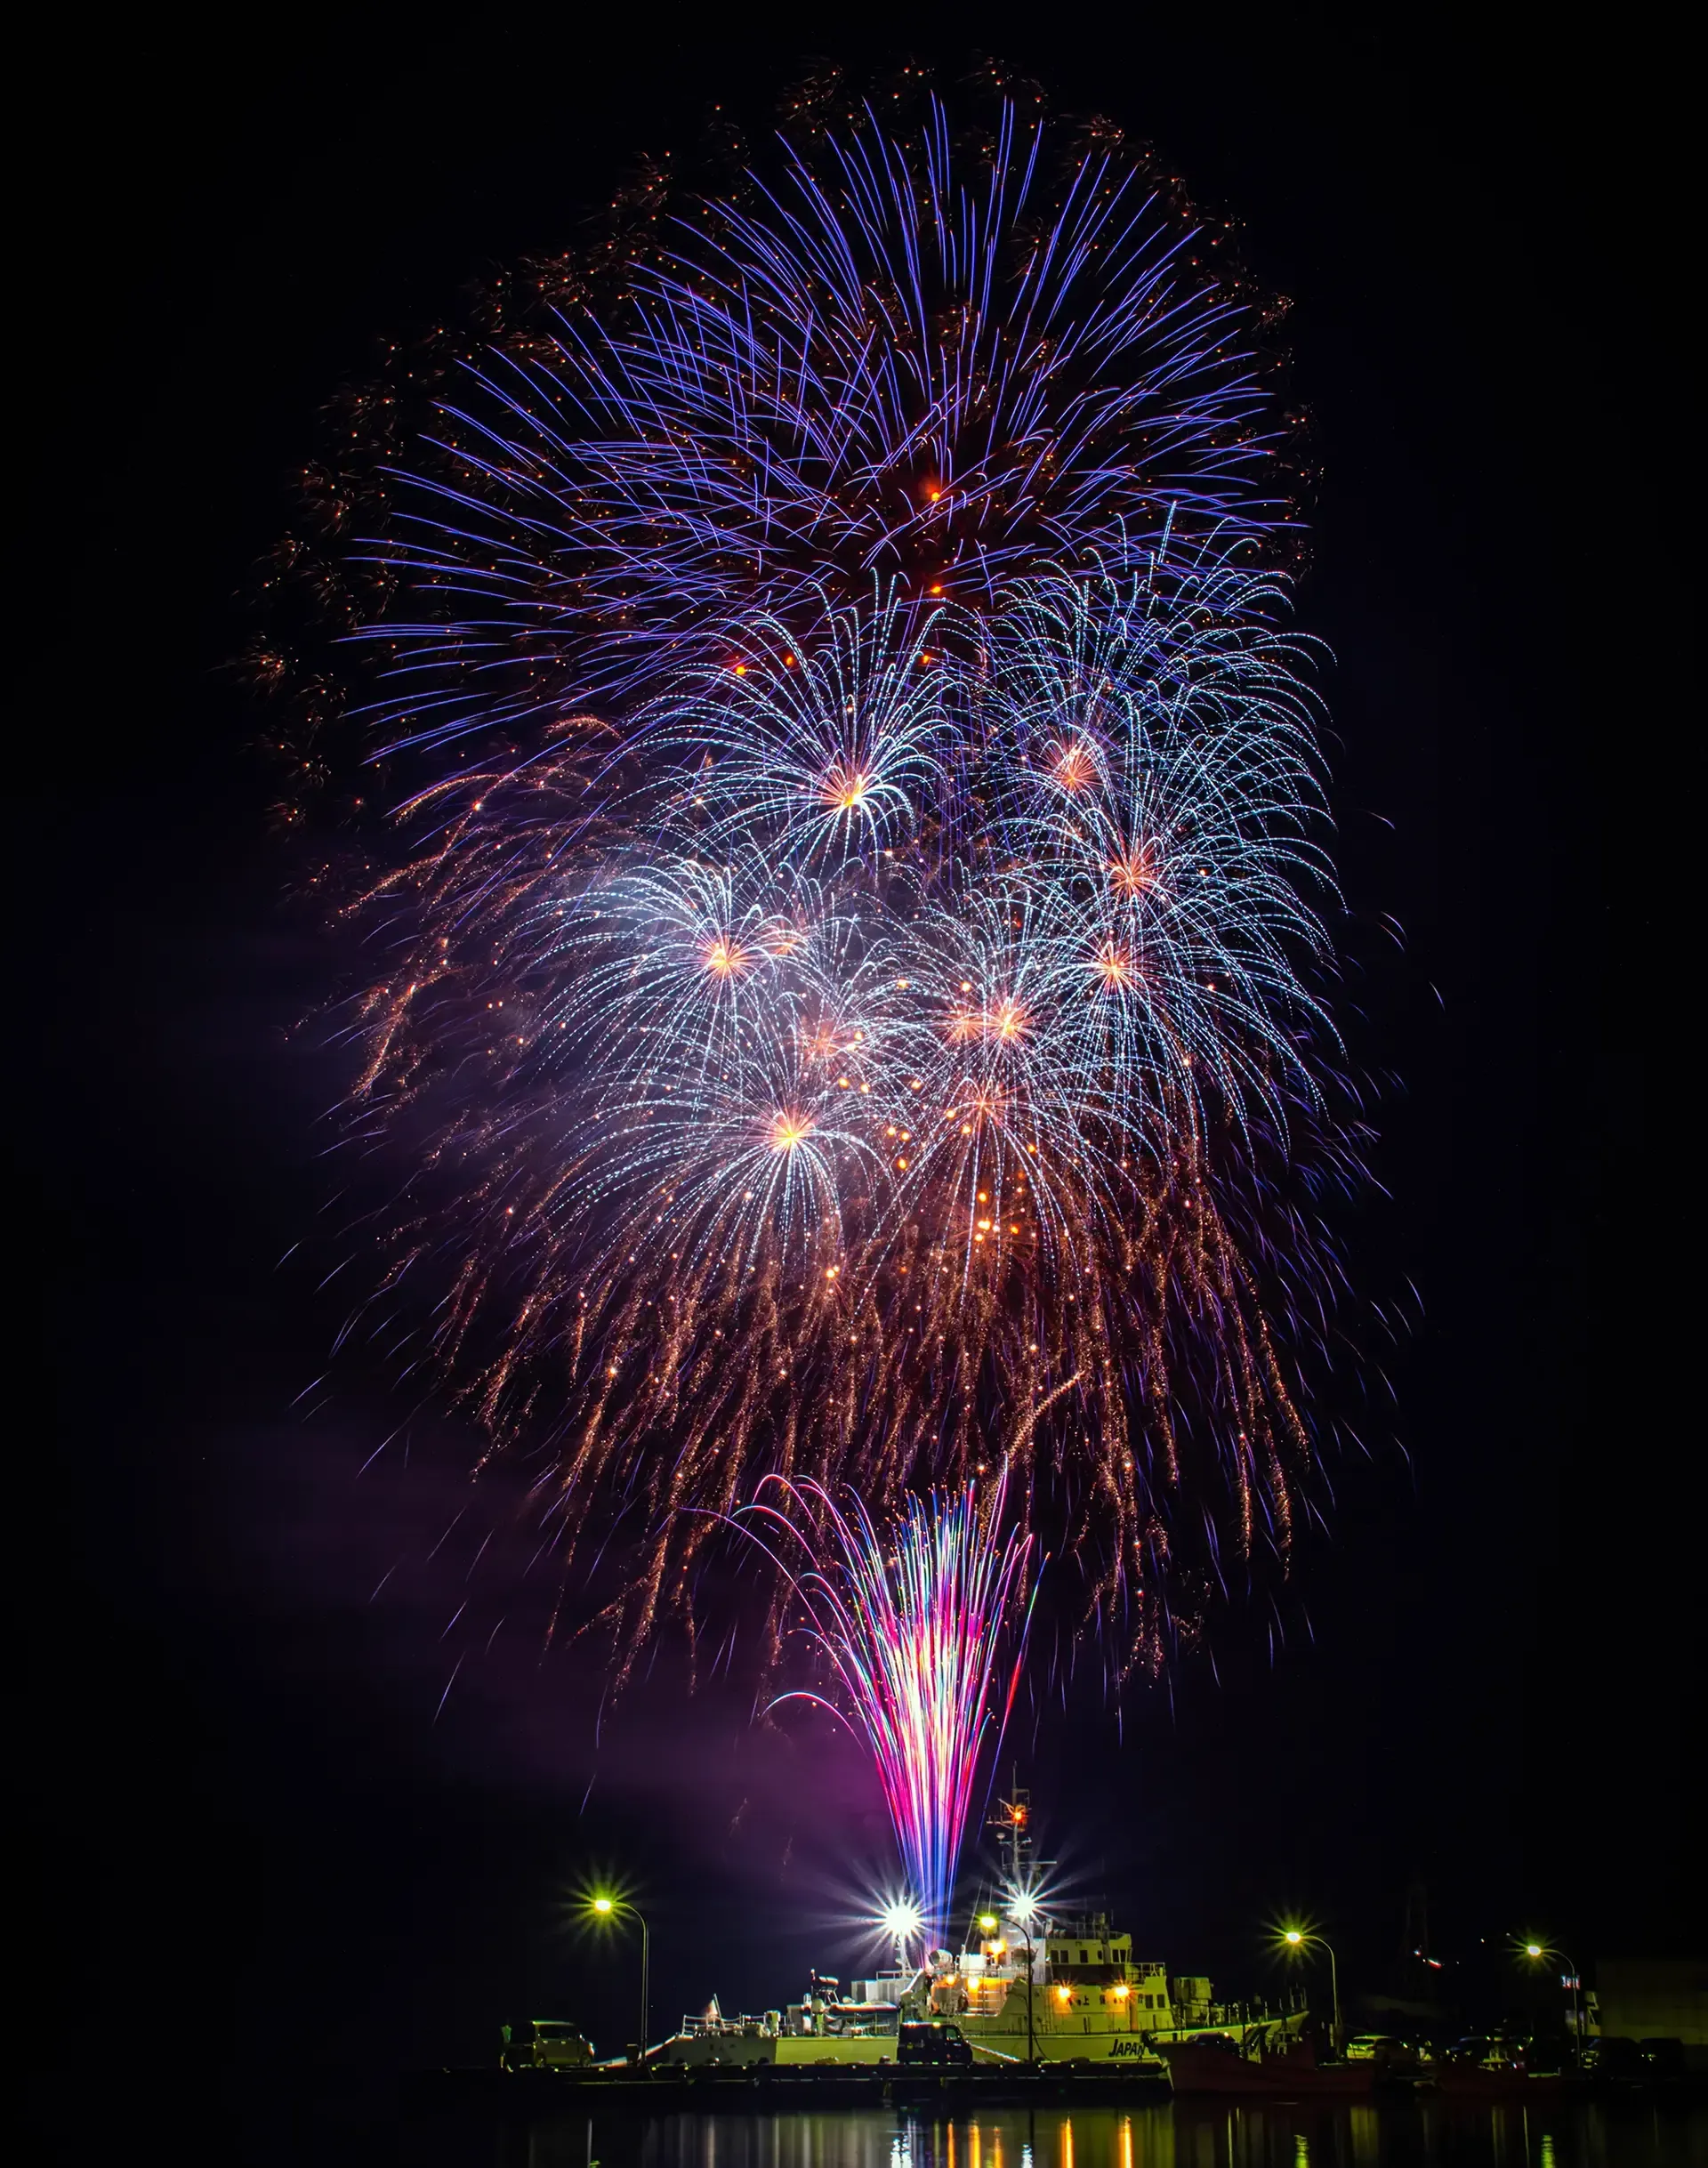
1048, 1995
1083, 1998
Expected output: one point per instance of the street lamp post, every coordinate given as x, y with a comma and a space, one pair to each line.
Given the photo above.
1535, 1952
1019, 1910
616, 1907
1297, 1938
1031, 2003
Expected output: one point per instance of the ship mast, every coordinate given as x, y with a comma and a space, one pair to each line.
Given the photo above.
1012, 1823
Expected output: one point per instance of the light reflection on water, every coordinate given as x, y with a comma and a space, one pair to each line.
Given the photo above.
1177, 2134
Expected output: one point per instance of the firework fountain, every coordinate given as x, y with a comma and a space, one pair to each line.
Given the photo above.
910, 1622
852, 944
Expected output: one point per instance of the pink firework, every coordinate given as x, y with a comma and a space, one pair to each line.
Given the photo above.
911, 1619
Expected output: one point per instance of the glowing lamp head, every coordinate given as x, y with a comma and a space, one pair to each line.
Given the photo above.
1533, 1949
1292, 1938
1064, 1995
987, 1920
901, 1918
604, 1905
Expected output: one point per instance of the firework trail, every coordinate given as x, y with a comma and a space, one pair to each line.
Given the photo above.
910, 1622
851, 971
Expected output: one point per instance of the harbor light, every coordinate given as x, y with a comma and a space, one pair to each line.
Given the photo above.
901, 1919
1571, 1979
1022, 1902
608, 1910
1297, 1941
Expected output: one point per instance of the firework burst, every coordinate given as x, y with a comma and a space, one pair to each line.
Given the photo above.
939, 367
855, 1022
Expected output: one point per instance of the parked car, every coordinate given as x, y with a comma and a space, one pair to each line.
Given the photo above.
1612, 2056
1490, 2052
1387, 2050
933, 2045
545, 2044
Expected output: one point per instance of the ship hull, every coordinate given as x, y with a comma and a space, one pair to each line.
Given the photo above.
746, 2050
1118, 2050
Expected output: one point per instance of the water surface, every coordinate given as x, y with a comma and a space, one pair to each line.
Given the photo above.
1174, 2134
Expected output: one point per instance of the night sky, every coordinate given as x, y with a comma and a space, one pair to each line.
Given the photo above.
252, 1823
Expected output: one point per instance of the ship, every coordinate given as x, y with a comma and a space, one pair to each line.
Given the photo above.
1030, 1985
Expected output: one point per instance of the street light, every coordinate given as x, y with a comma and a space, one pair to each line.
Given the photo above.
1299, 1939
1021, 1908
606, 1909
1535, 1952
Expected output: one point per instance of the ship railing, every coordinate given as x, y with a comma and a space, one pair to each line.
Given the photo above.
699, 2027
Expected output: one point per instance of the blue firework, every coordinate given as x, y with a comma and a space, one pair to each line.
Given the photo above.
855, 998
893, 362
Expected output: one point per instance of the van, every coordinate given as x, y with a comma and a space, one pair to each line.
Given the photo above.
933, 2046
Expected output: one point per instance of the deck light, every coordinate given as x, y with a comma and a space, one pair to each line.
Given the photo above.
900, 1916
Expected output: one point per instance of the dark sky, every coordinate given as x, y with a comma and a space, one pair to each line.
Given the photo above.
1485, 1681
